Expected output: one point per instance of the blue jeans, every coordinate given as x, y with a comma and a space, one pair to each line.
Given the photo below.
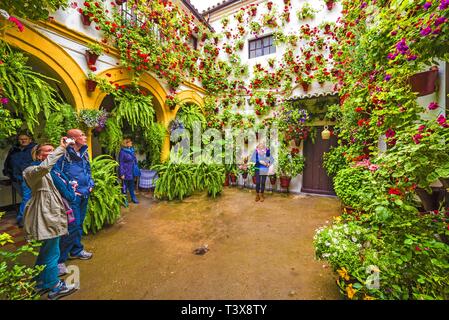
26, 196
260, 182
48, 256
130, 187
71, 243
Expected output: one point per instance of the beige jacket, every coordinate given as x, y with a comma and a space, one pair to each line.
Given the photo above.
45, 216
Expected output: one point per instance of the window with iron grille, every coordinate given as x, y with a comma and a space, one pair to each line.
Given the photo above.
261, 47
129, 14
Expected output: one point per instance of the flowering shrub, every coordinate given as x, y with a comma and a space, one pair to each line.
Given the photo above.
92, 118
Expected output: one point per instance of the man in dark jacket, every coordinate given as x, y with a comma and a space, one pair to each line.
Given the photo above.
76, 166
18, 159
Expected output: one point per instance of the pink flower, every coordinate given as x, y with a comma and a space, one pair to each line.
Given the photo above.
433, 106
425, 31
4, 100
390, 133
417, 138
442, 121
17, 22
373, 167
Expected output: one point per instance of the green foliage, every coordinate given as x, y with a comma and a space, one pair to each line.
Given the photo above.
59, 122
289, 165
306, 12
33, 9
16, 279
190, 113
106, 198
8, 124
209, 177
136, 109
334, 160
176, 180
112, 137
28, 91
354, 186
155, 139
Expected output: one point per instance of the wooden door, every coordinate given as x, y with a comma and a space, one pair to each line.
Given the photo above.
315, 178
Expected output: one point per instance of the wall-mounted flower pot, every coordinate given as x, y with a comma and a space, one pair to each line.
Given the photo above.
424, 82
85, 19
285, 181
273, 180
91, 85
91, 58
330, 5
305, 86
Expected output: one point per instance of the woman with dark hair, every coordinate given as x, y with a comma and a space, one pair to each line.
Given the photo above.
128, 168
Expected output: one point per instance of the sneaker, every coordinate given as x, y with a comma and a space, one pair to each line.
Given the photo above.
83, 255
61, 290
41, 291
62, 269
135, 201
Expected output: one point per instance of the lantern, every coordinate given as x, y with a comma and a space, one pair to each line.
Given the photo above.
325, 134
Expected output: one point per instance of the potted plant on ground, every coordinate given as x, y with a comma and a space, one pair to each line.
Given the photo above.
289, 166
93, 52
147, 179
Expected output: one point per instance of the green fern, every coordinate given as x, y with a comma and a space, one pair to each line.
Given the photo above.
59, 122
136, 109
28, 91
106, 199
190, 113
155, 139
111, 138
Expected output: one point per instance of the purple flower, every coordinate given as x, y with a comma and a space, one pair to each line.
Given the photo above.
440, 20
443, 4
433, 106
4, 100
425, 31
392, 56
427, 5
402, 47
387, 77
412, 57
364, 4
394, 32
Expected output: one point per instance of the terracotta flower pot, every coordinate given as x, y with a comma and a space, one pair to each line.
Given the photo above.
273, 180
285, 181
91, 85
330, 5
226, 181
120, 2
305, 86
85, 19
424, 82
233, 178
91, 58
245, 175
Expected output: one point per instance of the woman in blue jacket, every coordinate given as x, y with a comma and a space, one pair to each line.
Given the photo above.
263, 160
128, 168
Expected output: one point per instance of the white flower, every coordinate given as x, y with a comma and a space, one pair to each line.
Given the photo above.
327, 244
326, 255
354, 239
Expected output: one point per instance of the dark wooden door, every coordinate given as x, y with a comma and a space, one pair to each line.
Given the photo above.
315, 179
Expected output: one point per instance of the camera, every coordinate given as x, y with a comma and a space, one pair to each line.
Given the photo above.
69, 141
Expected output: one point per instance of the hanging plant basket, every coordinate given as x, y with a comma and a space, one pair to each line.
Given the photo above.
424, 82
285, 181
85, 19
91, 85
91, 57
330, 5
